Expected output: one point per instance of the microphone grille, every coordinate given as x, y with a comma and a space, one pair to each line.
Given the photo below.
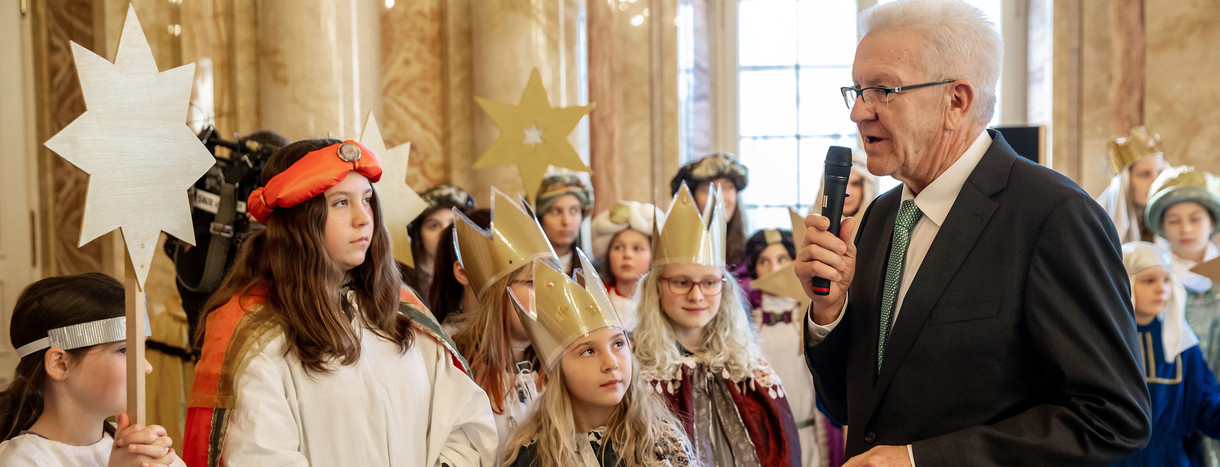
838, 162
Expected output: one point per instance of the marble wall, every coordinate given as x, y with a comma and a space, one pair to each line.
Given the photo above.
59, 98
633, 147
1181, 99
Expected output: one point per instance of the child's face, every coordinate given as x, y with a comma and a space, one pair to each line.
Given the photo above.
349, 220
561, 221
98, 380
1187, 226
630, 256
1143, 173
772, 258
597, 369
728, 192
435, 225
1151, 290
694, 308
855, 194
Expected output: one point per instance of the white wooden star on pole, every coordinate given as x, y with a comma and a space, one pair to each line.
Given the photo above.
400, 204
134, 143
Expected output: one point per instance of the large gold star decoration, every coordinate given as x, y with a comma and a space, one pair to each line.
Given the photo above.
134, 143
399, 203
533, 135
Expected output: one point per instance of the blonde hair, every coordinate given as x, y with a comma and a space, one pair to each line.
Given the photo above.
486, 343
639, 424
726, 341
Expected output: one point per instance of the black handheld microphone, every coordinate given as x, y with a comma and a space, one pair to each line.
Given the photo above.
834, 187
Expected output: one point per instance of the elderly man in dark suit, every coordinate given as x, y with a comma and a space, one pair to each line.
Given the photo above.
983, 316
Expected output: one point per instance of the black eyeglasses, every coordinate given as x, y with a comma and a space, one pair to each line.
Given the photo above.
879, 93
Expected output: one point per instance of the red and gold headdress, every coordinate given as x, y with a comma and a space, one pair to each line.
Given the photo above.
311, 176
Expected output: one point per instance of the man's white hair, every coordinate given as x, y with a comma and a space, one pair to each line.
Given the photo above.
961, 43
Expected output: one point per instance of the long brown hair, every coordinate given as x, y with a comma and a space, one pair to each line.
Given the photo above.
288, 261
445, 295
486, 343
638, 425
51, 303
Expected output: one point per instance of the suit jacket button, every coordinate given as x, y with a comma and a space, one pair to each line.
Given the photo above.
870, 437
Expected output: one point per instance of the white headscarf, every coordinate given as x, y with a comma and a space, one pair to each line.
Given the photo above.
1116, 202
1176, 336
624, 215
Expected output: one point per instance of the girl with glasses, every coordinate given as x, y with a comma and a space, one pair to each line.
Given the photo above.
695, 347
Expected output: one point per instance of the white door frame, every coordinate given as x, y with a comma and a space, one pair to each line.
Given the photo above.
18, 180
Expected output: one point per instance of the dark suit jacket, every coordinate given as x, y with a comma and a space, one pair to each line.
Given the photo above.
1016, 342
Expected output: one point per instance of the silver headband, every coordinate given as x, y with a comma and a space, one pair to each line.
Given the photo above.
82, 335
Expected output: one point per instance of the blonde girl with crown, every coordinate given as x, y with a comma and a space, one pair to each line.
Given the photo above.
498, 263
596, 412
695, 347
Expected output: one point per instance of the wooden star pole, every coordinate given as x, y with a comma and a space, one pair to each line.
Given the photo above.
141, 159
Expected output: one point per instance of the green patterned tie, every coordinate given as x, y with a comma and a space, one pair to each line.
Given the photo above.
908, 215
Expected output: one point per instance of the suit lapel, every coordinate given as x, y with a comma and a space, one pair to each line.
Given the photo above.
967, 219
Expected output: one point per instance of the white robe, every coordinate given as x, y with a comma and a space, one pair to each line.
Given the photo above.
387, 409
782, 345
519, 402
32, 450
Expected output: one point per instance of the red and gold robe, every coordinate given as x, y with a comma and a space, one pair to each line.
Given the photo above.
753, 414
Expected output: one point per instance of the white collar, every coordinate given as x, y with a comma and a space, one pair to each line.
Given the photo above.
937, 198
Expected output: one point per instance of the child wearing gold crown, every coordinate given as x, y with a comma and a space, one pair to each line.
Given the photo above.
695, 347
313, 351
1137, 159
595, 411
498, 263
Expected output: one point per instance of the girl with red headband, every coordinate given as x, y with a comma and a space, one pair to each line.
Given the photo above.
313, 353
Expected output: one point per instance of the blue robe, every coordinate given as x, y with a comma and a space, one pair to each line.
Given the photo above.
1185, 404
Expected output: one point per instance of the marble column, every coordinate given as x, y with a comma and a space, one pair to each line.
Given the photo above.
413, 83
633, 130
319, 66
59, 101
1180, 99
1127, 53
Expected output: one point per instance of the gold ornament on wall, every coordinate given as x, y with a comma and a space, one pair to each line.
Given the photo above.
533, 135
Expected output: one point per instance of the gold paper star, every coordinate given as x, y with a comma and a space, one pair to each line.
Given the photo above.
134, 143
399, 203
533, 135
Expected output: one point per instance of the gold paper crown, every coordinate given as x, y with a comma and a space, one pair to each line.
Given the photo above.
563, 310
688, 237
1123, 151
514, 240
